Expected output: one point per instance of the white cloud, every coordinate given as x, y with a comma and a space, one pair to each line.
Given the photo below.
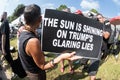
17, 0
52, 6
116, 2
89, 4
3, 5
118, 14
73, 9
47, 6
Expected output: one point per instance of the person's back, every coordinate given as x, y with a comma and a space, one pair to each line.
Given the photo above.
27, 61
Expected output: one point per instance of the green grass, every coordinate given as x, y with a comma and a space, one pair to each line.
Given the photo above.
109, 70
13, 42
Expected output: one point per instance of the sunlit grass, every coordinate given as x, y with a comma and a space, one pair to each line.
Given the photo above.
109, 70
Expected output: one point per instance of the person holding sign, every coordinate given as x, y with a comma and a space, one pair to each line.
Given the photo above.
31, 55
106, 34
94, 64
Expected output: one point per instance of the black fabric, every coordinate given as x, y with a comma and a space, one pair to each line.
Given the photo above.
40, 76
5, 30
105, 44
17, 68
12, 49
94, 64
27, 61
15, 64
0, 38
84, 61
93, 67
107, 27
115, 51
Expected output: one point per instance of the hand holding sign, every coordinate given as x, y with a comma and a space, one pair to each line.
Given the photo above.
66, 31
70, 56
75, 57
67, 55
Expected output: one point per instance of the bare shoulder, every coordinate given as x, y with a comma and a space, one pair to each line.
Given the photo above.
33, 45
34, 41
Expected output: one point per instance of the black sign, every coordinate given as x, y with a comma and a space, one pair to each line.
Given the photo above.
64, 31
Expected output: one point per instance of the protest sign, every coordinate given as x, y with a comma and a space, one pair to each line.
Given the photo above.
64, 31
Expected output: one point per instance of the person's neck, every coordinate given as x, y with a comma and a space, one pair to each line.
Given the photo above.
30, 28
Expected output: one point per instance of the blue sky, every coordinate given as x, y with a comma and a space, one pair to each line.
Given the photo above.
109, 8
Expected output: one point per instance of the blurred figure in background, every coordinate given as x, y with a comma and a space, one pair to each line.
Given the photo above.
94, 64
5, 41
5, 38
62, 61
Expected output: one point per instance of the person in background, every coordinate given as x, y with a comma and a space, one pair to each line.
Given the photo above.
20, 30
0, 47
21, 27
94, 64
5, 41
31, 55
106, 34
62, 61
5, 38
78, 12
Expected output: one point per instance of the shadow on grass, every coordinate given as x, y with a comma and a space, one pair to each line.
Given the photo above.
76, 64
68, 76
49, 70
76, 75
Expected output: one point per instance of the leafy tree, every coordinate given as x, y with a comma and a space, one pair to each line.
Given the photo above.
94, 10
11, 18
61, 7
17, 12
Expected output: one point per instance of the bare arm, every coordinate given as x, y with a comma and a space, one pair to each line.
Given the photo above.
33, 49
106, 34
3, 44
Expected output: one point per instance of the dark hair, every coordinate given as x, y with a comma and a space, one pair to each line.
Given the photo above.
99, 14
4, 15
31, 14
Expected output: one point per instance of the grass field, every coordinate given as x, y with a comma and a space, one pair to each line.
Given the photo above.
109, 70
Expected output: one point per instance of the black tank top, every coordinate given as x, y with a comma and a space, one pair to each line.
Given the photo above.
27, 61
